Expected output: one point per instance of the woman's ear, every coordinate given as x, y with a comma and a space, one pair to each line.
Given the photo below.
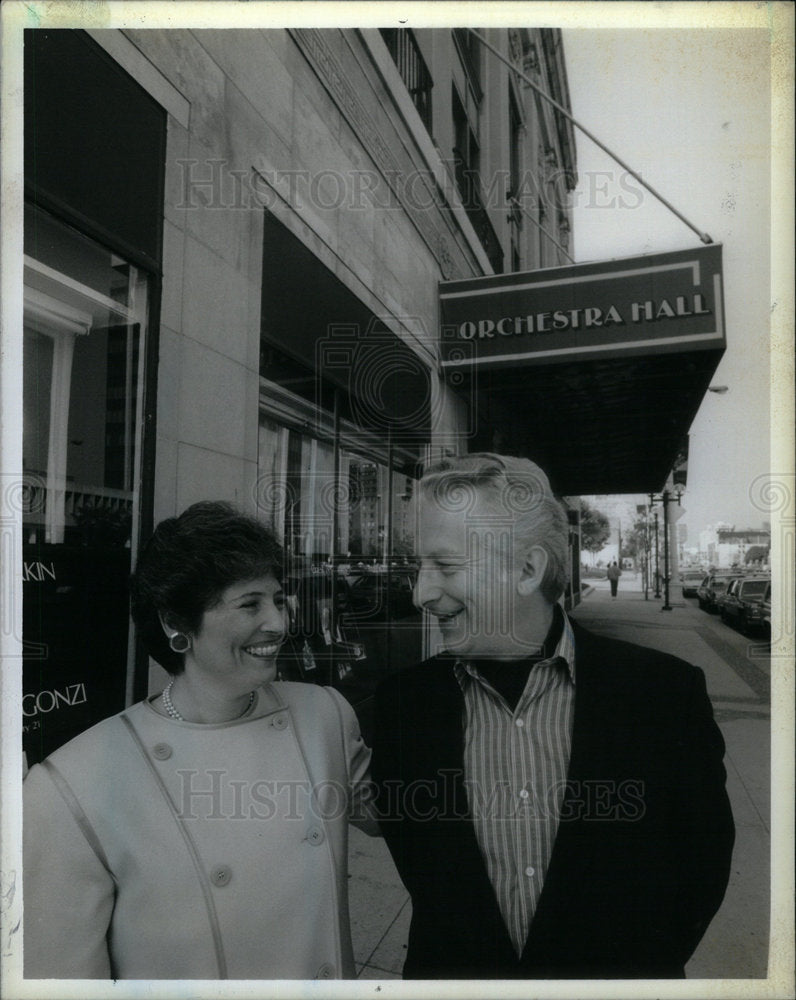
167, 625
533, 570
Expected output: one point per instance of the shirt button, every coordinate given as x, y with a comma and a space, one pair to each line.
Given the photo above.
524, 793
519, 723
221, 875
530, 871
161, 751
279, 722
326, 971
315, 835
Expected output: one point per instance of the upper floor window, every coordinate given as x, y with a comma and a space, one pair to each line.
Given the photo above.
466, 161
406, 55
516, 129
470, 53
516, 132
466, 154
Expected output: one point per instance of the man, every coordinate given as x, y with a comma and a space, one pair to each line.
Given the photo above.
554, 801
613, 573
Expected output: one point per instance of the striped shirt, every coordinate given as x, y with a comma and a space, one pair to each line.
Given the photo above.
515, 770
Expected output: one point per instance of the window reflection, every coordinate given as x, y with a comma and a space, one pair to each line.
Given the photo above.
367, 516
85, 309
349, 535
84, 322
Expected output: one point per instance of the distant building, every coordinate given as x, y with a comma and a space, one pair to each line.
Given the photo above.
734, 546
723, 545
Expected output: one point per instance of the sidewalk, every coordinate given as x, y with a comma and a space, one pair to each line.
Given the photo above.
738, 675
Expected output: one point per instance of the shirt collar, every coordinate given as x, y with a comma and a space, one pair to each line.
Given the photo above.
565, 650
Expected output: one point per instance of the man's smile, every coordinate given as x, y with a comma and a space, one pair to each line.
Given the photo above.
445, 617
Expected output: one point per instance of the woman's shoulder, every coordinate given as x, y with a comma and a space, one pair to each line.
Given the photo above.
99, 743
297, 695
321, 706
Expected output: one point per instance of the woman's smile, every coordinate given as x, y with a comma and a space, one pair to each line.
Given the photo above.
263, 652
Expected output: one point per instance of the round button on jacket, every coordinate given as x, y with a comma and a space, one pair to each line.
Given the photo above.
221, 875
161, 751
315, 835
279, 722
326, 971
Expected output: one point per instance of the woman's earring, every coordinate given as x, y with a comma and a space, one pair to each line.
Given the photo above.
179, 642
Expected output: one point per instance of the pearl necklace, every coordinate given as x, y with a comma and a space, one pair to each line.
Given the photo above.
168, 704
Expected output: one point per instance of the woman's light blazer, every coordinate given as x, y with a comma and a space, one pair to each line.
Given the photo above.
159, 849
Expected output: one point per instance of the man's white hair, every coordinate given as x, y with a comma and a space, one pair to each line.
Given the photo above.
515, 486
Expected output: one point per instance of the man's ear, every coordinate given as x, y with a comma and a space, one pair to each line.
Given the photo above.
533, 571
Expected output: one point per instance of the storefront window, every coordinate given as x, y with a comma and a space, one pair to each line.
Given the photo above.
84, 329
368, 486
347, 521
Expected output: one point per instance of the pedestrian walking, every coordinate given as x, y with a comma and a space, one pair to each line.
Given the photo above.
613, 573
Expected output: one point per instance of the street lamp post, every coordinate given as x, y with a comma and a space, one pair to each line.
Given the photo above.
657, 563
664, 498
641, 511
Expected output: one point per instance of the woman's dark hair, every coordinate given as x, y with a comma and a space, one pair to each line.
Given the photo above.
188, 563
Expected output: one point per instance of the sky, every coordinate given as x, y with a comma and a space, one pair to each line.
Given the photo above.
690, 111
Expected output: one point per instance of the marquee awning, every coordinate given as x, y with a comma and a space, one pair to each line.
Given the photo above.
594, 371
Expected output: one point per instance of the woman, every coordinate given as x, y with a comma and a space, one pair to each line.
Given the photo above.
202, 833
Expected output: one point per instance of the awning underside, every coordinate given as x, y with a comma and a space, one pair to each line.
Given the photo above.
310, 316
605, 426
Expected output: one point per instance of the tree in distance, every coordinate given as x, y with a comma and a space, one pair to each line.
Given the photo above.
595, 528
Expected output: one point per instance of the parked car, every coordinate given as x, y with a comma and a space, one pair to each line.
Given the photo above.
721, 596
765, 610
742, 605
691, 579
715, 583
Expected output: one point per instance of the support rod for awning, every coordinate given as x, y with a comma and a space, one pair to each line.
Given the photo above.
538, 224
703, 236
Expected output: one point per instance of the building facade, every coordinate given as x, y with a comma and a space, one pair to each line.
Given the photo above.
233, 246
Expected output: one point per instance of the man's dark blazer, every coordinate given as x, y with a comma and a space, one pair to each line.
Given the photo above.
641, 859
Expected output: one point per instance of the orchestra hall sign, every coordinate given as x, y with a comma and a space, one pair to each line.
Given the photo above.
651, 304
